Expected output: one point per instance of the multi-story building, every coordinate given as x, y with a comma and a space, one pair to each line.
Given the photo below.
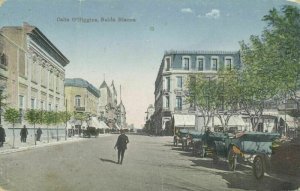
31, 69
81, 96
170, 88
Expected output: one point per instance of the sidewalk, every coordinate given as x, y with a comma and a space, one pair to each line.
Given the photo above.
7, 146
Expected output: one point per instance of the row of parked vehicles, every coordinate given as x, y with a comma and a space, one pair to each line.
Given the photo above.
263, 151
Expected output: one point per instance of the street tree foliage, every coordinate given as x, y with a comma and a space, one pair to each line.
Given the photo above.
216, 95
275, 56
64, 116
271, 62
271, 70
11, 115
32, 116
80, 117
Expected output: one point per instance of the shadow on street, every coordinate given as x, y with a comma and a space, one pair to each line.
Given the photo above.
108, 160
243, 178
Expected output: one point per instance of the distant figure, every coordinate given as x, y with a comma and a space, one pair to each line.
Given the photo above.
121, 144
23, 134
39, 133
2, 136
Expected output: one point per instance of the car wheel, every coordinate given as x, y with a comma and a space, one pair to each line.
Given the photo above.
258, 168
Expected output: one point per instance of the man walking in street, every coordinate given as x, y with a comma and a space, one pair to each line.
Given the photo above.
121, 145
2, 136
23, 134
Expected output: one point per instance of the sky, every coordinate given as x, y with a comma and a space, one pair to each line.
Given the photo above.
130, 53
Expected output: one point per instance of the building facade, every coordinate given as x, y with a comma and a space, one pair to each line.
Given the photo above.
109, 110
81, 96
170, 89
31, 70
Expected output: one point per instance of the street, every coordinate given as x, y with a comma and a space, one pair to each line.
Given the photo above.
150, 163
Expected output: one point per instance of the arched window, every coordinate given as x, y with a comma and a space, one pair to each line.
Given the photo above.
77, 100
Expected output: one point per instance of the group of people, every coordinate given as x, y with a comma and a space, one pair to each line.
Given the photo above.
23, 134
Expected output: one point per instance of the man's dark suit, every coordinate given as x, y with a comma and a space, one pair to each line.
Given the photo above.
122, 146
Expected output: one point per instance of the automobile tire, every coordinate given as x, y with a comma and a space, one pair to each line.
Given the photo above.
258, 167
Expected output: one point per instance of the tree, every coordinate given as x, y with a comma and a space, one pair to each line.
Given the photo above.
11, 115
271, 62
48, 119
65, 116
81, 117
203, 94
215, 95
32, 116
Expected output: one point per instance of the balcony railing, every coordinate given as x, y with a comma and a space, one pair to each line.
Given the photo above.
79, 109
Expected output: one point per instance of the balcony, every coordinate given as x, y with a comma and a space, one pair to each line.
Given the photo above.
177, 109
79, 109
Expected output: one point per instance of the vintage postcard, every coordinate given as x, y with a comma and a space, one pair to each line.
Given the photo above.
137, 95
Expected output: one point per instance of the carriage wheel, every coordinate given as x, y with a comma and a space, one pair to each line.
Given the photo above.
258, 167
232, 160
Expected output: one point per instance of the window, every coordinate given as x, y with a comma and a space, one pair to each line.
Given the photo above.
168, 64
186, 63
214, 64
44, 76
57, 84
3, 60
228, 63
51, 81
179, 81
32, 103
178, 103
21, 101
200, 62
77, 100
168, 84
167, 105
22, 64
49, 107
42, 105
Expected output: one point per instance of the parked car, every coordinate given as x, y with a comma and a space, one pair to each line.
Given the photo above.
283, 163
91, 131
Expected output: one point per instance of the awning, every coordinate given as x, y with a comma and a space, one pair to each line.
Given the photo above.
234, 120
184, 121
93, 122
103, 125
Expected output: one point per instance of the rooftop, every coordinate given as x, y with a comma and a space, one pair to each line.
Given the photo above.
79, 82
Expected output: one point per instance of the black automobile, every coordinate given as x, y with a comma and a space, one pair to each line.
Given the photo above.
91, 131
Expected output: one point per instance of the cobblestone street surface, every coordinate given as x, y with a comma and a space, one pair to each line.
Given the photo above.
151, 163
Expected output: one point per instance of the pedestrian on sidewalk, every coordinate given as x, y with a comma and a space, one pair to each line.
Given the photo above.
39, 132
23, 134
121, 145
2, 136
